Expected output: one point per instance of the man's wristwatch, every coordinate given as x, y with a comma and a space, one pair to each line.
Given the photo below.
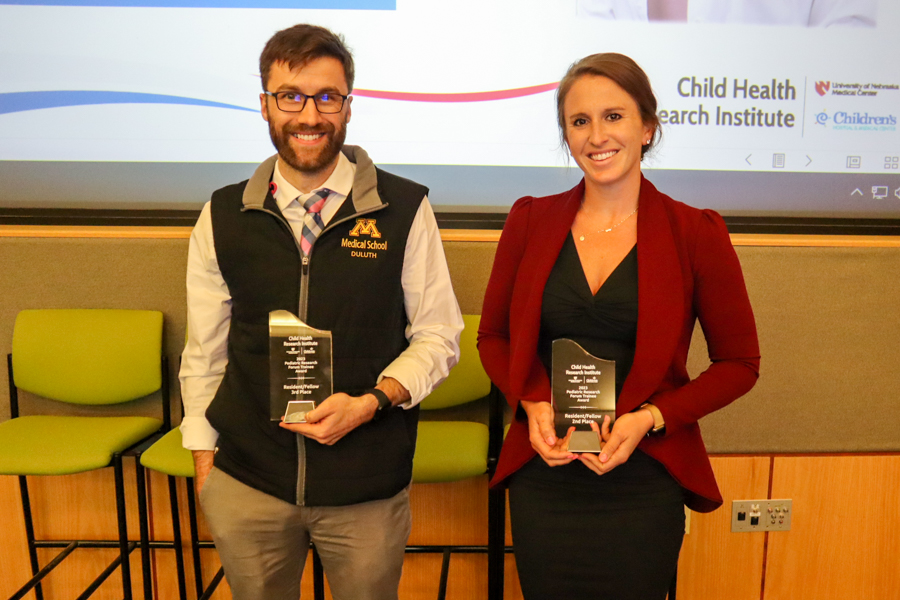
659, 425
384, 403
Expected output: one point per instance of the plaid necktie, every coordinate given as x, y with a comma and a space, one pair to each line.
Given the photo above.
312, 221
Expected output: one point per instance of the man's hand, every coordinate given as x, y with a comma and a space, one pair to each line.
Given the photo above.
335, 417
339, 414
203, 463
542, 434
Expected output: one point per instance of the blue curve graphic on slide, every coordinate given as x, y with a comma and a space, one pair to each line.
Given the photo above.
21, 101
320, 4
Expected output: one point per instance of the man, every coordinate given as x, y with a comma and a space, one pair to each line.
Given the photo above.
289, 238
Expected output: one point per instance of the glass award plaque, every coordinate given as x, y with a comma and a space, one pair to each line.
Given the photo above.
299, 367
584, 390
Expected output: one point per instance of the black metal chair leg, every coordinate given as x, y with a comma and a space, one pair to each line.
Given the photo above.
143, 518
496, 499
29, 534
213, 585
496, 543
36, 580
124, 550
176, 538
195, 538
102, 577
445, 572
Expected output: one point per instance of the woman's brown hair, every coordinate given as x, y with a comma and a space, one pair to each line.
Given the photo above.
626, 74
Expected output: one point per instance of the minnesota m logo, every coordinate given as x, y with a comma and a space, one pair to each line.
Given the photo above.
365, 227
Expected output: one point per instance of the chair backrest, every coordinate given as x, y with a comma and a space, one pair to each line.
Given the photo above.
88, 356
467, 380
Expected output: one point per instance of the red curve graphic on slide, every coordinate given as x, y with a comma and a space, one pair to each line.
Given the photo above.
464, 97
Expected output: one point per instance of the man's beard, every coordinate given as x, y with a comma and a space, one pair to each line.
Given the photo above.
335, 137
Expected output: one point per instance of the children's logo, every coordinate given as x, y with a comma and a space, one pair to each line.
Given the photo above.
856, 121
822, 87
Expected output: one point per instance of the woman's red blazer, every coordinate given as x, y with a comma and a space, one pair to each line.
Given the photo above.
687, 270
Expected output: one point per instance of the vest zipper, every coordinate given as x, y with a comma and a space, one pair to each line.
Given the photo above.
304, 271
304, 286
301, 314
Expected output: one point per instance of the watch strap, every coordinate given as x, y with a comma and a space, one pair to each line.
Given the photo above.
659, 424
384, 403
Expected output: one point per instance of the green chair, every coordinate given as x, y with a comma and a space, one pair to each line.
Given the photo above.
454, 450
81, 357
168, 456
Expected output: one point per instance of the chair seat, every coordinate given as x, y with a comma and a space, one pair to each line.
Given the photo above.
168, 456
450, 451
58, 445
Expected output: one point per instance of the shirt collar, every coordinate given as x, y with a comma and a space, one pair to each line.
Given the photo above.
340, 182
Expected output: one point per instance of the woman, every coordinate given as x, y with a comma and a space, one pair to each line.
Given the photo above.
625, 271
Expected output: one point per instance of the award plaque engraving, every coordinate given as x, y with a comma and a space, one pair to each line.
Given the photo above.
584, 390
299, 364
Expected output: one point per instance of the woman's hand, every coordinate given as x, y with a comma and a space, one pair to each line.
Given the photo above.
627, 433
542, 434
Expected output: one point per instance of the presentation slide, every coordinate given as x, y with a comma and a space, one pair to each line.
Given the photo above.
769, 107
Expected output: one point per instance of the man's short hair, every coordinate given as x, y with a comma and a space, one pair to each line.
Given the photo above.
302, 43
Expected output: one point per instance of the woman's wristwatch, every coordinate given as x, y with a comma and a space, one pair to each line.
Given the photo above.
659, 424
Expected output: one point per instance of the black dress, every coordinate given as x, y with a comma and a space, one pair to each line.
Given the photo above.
578, 535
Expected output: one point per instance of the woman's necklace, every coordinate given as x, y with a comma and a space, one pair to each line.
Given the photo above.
581, 237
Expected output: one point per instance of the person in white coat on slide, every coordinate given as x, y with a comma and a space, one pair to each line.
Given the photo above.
804, 13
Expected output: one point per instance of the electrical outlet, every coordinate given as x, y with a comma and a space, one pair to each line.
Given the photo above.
761, 515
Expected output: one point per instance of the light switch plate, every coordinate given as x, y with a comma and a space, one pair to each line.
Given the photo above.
761, 515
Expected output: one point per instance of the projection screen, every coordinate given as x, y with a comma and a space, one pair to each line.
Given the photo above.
769, 107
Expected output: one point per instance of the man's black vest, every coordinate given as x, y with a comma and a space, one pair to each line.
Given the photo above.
355, 292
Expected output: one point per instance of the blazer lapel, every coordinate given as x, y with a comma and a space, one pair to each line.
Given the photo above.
660, 301
545, 238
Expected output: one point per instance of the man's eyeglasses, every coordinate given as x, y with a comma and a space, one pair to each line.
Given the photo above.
326, 103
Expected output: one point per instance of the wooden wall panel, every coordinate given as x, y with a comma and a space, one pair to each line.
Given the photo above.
14, 567
844, 540
421, 575
452, 513
68, 507
715, 563
511, 588
448, 513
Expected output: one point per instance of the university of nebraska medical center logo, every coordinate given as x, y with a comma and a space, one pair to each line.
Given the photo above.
365, 227
822, 87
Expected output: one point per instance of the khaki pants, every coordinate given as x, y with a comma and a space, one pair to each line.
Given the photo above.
263, 542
